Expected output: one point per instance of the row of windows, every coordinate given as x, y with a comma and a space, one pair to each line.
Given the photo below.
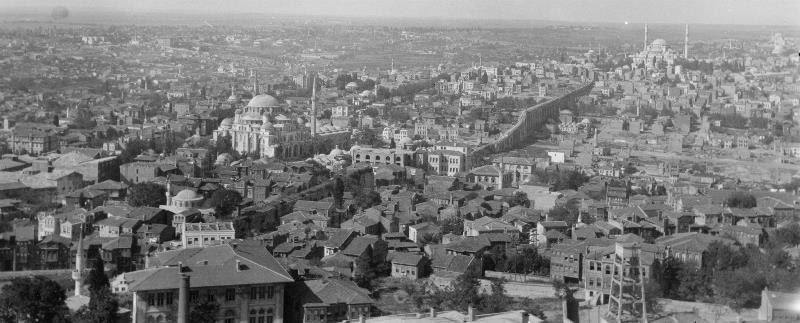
160, 299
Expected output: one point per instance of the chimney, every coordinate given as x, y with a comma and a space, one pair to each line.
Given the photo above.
238, 265
180, 266
361, 318
470, 314
183, 300
525, 317
433, 312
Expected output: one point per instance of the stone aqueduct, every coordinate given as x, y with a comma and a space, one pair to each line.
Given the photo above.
528, 123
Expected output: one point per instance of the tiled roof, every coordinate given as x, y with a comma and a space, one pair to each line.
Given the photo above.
406, 258
215, 266
334, 291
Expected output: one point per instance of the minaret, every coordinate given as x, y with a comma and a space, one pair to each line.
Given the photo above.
168, 192
686, 43
314, 110
77, 274
645, 37
255, 83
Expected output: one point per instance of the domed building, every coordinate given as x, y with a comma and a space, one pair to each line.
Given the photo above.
260, 128
657, 52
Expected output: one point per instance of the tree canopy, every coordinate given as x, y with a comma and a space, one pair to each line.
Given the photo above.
146, 194
33, 299
225, 201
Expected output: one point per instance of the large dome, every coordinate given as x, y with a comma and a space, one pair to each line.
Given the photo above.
187, 195
226, 122
659, 42
263, 101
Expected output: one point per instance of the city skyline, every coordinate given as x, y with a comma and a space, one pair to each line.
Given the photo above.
740, 12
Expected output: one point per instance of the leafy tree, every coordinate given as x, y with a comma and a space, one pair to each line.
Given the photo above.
741, 200
97, 279
452, 225
338, 191
519, 198
463, 292
372, 112
203, 311
368, 200
497, 301
694, 284
33, 299
146, 194
133, 148
787, 235
225, 201
103, 306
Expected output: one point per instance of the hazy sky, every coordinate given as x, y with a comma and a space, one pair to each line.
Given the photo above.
772, 12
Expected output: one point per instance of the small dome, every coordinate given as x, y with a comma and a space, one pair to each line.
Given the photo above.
352, 85
659, 42
366, 93
251, 116
405, 141
565, 111
226, 122
187, 195
300, 121
266, 126
336, 152
263, 101
223, 159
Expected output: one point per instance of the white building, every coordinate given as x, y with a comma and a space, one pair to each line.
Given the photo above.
206, 234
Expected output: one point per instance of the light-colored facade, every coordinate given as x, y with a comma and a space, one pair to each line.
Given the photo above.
244, 279
206, 234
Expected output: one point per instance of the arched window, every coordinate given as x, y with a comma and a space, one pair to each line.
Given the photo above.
252, 317
229, 317
261, 316
388, 158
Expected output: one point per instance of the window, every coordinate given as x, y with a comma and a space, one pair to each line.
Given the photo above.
151, 299
262, 291
169, 299
270, 291
252, 293
261, 316
252, 317
194, 296
230, 295
210, 297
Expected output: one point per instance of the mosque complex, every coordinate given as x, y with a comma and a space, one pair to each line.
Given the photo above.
262, 128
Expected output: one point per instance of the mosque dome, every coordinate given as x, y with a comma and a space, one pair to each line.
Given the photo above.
251, 116
263, 101
226, 122
300, 121
659, 42
336, 152
223, 159
352, 85
266, 126
187, 195
366, 93
404, 141
565, 111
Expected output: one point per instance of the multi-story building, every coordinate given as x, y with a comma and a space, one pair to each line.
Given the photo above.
330, 300
33, 139
400, 157
490, 177
242, 277
445, 162
260, 128
207, 234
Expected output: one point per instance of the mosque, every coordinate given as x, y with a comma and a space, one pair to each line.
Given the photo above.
262, 128
659, 52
